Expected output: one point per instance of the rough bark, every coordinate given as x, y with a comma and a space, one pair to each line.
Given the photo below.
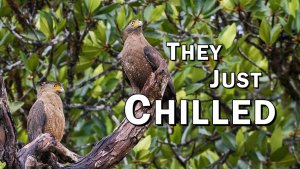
8, 139
107, 153
44, 146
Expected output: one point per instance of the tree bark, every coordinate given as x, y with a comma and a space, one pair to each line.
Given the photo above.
7, 131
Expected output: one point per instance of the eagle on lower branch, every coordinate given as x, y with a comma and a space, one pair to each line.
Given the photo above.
46, 115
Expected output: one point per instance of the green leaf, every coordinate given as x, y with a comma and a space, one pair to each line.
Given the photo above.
2, 165
276, 139
147, 12
298, 21
228, 5
106, 9
48, 18
32, 62
208, 6
293, 6
45, 23
194, 87
143, 156
90, 52
274, 4
144, 144
287, 160
101, 31
228, 36
109, 83
121, 17
156, 13
229, 141
166, 150
36, 35
14, 106
239, 139
176, 135
264, 31
260, 156
275, 33
280, 153
60, 25
180, 78
92, 5
252, 141
5, 10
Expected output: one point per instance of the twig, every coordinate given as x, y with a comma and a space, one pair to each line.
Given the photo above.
86, 107
253, 63
112, 67
180, 159
209, 75
257, 46
10, 67
49, 65
221, 160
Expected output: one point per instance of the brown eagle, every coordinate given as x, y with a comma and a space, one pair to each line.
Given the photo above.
140, 59
46, 115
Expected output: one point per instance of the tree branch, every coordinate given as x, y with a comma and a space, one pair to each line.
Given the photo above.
42, 148
7, 130
112, 149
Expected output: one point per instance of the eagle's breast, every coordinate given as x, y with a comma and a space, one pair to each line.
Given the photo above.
134, 63
55, 123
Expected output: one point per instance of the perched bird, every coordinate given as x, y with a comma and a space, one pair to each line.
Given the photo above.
140, 59
46, 115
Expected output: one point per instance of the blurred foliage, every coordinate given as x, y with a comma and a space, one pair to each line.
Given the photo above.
77, 43
2, 165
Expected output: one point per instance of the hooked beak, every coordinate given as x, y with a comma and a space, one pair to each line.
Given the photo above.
62, 90
140, 23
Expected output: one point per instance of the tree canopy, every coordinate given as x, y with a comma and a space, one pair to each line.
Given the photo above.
78, 43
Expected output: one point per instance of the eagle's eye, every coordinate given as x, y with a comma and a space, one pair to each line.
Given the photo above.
55, 85
132, 23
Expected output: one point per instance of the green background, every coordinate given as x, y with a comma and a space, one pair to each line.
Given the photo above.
78, 42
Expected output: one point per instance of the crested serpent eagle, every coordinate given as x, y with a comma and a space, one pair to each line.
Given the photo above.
140, 59
46, 115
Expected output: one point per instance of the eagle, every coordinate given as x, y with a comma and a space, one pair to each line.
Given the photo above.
46, 114
140, 59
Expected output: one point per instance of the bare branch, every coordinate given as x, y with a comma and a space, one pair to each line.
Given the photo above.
42, 148
112, 67
10, 67
253, 63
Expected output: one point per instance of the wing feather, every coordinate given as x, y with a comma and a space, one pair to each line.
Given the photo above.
154, 58
36, 120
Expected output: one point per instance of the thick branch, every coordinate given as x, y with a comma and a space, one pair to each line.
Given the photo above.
7, 130
41, 144
112, 149
44, 145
